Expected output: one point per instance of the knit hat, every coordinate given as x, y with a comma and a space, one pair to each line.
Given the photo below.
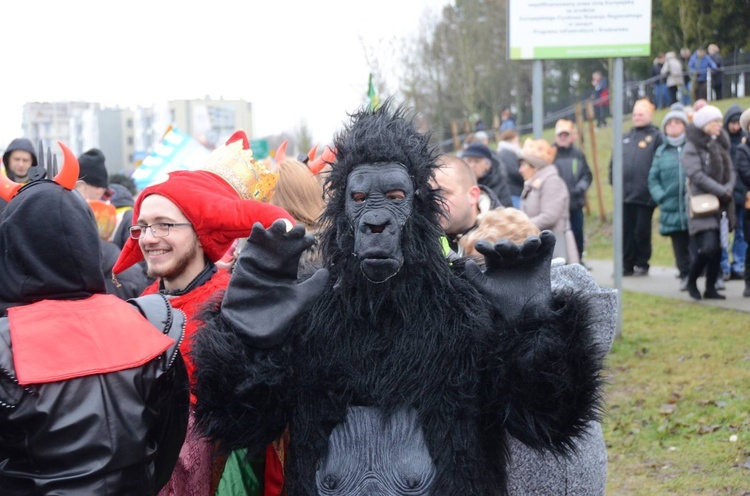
705, 115
213, 207
644, 105
537, 153
676, 111
477, 150
745, 120
92, 169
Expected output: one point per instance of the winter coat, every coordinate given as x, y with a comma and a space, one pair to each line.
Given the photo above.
496, 179
574, 169
509, 159
118, 430
735, 140
709, 169
672, 69
545, 200
666, 182
699, 66
123, 202
742, 167
130, 283
638, 148
584, 473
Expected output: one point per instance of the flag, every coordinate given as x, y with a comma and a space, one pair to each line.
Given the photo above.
372, 95
175, 151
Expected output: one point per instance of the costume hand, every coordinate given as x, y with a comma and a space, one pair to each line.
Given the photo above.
515, 276
264, 297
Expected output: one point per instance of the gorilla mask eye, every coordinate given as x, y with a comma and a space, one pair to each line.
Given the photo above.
359, 197
396, 194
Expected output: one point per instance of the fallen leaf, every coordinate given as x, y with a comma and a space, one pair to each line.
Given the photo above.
667, 409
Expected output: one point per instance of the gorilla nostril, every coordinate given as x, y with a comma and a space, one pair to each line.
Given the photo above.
376, 228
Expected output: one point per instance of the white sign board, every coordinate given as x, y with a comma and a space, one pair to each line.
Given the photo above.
574, 29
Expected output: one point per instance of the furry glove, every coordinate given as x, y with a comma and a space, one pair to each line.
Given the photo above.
516, 276
264, 297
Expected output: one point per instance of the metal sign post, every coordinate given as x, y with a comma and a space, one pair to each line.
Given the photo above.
617, 234
537, 99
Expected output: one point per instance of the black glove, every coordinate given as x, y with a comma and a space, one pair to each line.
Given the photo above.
263, 297
516, 276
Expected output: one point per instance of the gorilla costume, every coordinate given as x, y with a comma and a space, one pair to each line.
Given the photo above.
397, 371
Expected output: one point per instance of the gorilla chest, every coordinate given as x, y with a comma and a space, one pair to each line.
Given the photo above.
371, 453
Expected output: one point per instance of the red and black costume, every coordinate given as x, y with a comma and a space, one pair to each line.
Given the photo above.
93, 391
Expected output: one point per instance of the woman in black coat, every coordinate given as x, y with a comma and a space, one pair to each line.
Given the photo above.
708, 166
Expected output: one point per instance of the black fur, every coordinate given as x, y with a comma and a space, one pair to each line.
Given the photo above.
423, 339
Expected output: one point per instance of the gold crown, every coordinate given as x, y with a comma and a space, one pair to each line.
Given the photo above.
234, 163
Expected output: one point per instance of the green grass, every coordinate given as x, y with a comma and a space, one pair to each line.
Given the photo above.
678, 390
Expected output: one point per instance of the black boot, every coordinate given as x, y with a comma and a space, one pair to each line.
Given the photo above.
695, 271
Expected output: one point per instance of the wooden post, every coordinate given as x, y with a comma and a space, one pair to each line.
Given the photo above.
454, 131
595, 161
581, 142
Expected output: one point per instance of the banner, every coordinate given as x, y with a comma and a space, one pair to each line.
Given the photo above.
574, 29
176, 151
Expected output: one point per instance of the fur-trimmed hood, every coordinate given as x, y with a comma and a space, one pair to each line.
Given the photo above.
719, 165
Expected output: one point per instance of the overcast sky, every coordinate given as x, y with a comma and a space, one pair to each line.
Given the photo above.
293, 60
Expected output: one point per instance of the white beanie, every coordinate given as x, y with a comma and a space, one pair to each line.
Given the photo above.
705, 115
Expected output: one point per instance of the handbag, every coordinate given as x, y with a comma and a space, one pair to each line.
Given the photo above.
704, 205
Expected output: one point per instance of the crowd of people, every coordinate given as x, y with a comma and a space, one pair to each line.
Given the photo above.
698, 155
257, 328
188, 339
683, 76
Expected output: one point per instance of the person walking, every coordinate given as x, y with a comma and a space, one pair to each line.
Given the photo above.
708, 166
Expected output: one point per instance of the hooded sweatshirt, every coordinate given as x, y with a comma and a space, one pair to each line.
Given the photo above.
22, 144
49, 247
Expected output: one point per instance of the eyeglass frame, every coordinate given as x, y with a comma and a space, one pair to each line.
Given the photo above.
150, 227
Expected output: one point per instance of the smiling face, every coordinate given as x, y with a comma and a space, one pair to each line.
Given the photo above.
378, 204
178, 258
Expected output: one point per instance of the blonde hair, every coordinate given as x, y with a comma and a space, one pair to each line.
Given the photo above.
497, 224
298, 192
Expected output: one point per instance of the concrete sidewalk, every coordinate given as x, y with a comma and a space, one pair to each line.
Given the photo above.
661, 281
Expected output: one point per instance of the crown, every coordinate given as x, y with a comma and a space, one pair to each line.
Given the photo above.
234, 163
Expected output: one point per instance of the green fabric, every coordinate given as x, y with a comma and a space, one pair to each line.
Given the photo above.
239, 478
666, 183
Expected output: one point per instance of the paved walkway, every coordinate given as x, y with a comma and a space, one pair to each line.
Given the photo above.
661, 281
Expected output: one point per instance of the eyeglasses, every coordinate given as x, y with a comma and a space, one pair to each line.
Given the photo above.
159, 230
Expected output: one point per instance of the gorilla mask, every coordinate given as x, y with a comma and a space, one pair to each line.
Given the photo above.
378, 203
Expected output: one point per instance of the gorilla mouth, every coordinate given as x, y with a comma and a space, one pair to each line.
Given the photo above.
379, 268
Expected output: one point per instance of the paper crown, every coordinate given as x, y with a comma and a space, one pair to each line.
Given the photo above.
106, 217
538, 153
234, 163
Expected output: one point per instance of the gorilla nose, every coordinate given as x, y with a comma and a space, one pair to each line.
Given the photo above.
376, 228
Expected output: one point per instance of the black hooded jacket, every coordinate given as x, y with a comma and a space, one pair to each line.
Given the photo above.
112, 429
122, 199
50, 247
22, 144
735, 140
